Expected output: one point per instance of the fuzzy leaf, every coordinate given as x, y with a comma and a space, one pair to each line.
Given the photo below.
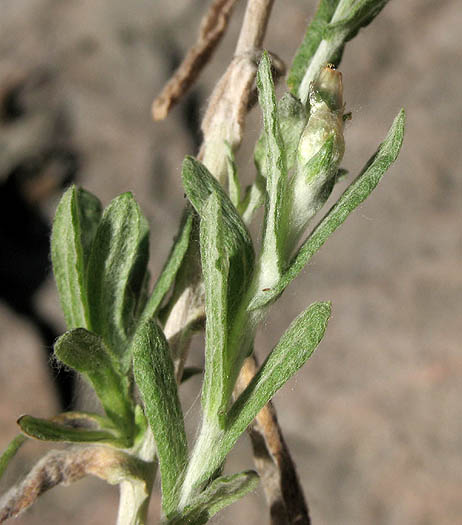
351, 198
360, 15
292, 118
74, 228
313, 37
292, 121
344, 23
290, 354
219, 494
116, 273
90, 210
8, 454
46, 430
170, 270
234, 186
86, 353
215, 268
309, 188
86, 418
155, 377
254, 198
276, 174
295, 347
199, 184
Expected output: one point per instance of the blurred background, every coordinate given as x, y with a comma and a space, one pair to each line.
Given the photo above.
374, 421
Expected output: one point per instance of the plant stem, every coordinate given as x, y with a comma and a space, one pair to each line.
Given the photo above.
224, 119
203, 461
135, 494
273, 460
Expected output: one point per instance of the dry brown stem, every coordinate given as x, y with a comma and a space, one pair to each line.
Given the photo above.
63, 467
213, 27
224, 119
274, 463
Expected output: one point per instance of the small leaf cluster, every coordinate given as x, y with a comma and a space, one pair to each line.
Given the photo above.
116, 323
297, 159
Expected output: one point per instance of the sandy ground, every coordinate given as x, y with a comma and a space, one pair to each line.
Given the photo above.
374, 420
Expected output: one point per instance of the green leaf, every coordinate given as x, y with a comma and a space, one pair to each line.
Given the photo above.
313, 37
199, 183
309, 189
86, 353
344, 23
292, 120
46, 430
360, 15
216, 389
74, 227
234, 186
8, 454
116, 273
90, 210
276, 174
351, 198
155, 377
293, 350
219, 494
254, 198
170, 270
89, 418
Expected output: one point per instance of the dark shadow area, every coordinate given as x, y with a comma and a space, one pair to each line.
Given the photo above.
25, 186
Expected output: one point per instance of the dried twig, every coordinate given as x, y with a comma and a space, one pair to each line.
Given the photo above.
63, 467
213, 27
274, 463
224, 119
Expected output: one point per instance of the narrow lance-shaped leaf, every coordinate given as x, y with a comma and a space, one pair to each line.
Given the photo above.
292, 116
74, 227
84, 418
292, 120
359, 15
293, 350
155, 377
254, 198
352, 197
46, 430
215, 268
86, 353
234, 186
276, 174
116, 273
219, 494
90, 210
8, 454
199, 183
295, 347
170, 270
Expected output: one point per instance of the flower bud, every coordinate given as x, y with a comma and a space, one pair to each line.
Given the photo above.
326, 116
320, 151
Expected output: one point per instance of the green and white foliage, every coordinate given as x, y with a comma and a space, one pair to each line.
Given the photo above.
115, 336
